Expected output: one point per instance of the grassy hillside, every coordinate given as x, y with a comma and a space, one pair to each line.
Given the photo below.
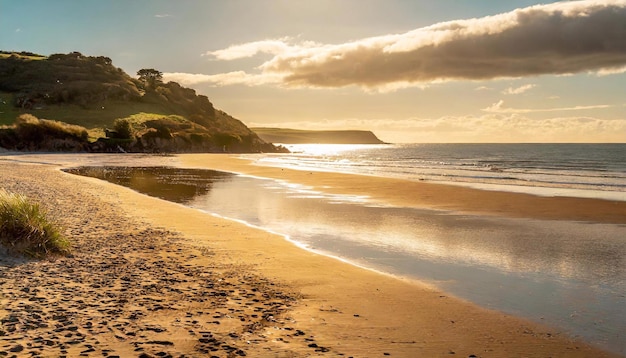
295, 136
90, 92
88, 117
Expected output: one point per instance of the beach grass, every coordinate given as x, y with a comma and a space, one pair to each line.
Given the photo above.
32, 128
26, 229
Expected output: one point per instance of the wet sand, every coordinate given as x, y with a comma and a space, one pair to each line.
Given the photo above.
154, 278
430, 195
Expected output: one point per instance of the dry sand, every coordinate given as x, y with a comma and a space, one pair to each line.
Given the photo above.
152, 278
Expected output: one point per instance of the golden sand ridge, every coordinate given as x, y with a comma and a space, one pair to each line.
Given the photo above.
150, 278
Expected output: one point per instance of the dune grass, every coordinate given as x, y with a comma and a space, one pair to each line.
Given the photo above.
26, 229
30, 126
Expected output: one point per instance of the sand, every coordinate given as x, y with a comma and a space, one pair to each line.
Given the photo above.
153, 278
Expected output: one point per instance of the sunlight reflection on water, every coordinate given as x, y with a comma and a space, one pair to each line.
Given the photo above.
579, 170
568, 274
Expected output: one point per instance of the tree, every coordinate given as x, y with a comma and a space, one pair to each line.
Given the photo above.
150, 77
102, 60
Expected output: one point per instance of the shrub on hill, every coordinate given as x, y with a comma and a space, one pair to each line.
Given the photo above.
123, 128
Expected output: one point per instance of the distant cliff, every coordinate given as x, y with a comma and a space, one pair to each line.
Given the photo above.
296, 136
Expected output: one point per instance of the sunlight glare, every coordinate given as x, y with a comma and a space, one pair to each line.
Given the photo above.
324, 149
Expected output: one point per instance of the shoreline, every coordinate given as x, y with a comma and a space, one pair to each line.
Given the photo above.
506, 203
375, 314
427, 195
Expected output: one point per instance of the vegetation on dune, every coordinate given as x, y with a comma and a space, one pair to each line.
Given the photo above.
26, 229
90, 92
34, 134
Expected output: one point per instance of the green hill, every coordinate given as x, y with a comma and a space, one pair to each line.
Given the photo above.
90, 92
296, 136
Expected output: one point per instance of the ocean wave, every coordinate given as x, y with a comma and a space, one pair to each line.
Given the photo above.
593, 167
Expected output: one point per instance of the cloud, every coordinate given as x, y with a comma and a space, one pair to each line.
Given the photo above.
498, 107
18, 30
222, 79
519, 90
611, 71
559, 38
274, 47
160, 16
483, 88
489, 127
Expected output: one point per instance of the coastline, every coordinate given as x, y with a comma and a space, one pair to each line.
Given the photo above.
338, 307
427, 194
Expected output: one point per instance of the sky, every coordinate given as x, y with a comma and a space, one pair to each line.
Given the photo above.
408, 70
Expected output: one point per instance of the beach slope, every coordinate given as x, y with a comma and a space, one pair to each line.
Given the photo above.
153, 278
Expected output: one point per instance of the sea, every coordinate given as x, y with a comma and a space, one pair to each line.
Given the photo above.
567, 275
570, 275
580, 170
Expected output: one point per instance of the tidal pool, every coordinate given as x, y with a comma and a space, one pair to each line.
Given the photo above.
570, 275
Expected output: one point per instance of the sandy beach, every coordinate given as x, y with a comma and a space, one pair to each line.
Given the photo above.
150, 278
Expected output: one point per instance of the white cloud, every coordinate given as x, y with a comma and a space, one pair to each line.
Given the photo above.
559, 38
498, 107
223, 79
160, 16
611, 71
483, 88
519, 90
250, 49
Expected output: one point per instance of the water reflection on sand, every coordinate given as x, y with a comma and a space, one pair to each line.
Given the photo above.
568, 274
